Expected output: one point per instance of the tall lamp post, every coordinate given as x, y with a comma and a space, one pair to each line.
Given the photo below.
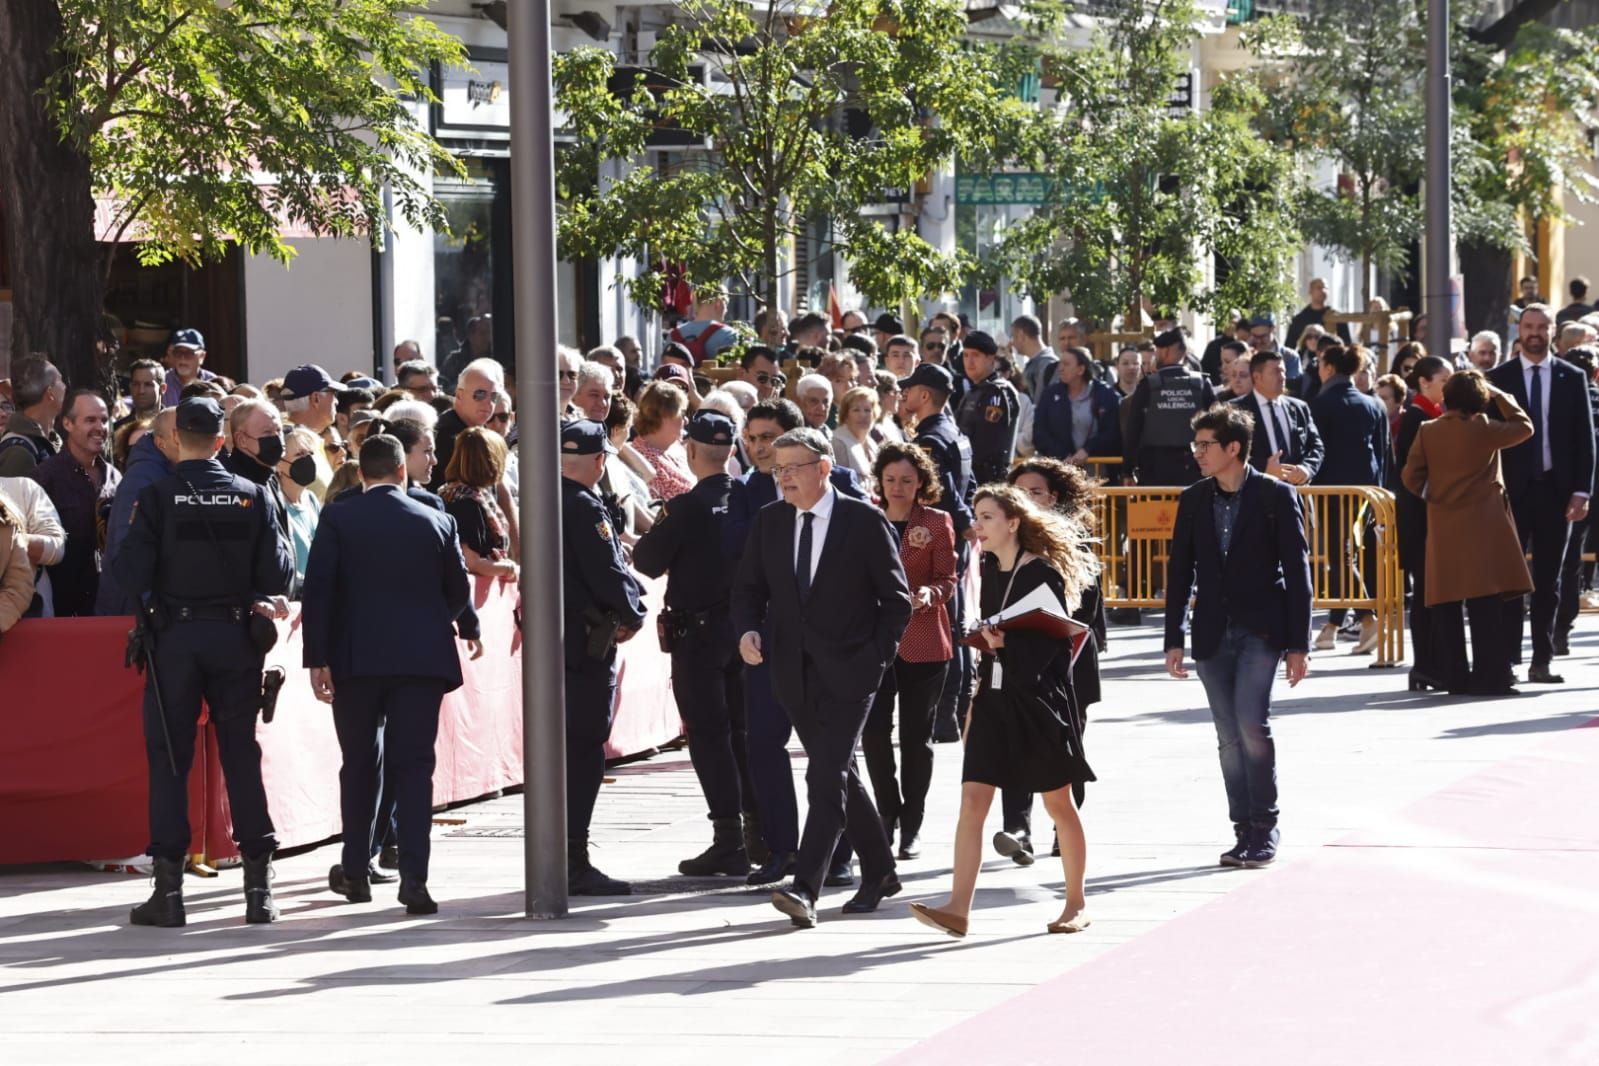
1440, 313
543, 679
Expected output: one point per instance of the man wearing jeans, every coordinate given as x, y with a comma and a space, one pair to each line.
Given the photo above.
1239, 546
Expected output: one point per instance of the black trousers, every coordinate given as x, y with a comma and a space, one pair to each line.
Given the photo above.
215, 662
705, 673
590, 710
1571, 577
1341, 538
1541, 519
916, 688
1423, 649
387, 729
961, 670
839, 805
1490, 648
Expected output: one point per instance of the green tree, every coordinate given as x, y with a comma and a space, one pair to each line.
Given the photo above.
806, 113
1143, 195
204, 124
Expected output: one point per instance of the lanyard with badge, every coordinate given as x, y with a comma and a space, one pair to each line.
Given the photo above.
996, 674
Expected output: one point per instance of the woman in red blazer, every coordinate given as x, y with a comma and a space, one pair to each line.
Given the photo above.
909, 481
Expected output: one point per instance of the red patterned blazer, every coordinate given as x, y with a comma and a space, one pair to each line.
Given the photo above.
927, 549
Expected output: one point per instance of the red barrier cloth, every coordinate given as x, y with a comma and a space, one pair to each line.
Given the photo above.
73, 777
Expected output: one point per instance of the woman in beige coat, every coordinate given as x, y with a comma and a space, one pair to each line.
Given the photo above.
1474, 554
16, 572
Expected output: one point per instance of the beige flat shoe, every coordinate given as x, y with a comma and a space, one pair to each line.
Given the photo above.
953, 924
1075, 925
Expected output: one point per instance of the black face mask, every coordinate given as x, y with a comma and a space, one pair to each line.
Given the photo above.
303, 471
270, 451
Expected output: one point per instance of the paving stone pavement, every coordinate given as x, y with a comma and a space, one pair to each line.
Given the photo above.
690, 968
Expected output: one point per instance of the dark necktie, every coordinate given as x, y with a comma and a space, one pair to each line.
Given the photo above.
1280, 428
1535, 401
802, 566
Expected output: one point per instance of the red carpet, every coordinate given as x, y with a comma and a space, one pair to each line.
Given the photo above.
1466, 932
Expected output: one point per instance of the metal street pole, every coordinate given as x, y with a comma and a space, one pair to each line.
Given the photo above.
538, 451
1438, 244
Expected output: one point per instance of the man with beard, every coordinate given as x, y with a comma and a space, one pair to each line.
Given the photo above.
80, 482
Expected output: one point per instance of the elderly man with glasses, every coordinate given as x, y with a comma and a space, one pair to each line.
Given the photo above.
480, 381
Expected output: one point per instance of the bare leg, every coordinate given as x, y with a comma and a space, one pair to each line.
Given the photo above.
976, 798
1062, 810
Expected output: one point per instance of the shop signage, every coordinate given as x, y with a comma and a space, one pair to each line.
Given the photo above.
1016, 187
477, 99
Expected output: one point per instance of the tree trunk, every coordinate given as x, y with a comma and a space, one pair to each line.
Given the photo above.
47, 199
1488, 287
769, 239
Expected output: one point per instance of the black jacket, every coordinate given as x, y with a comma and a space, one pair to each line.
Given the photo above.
1570, 428
1304, 447
1355, 432
1263, 583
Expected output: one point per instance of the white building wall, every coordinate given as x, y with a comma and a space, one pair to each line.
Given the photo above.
318, 309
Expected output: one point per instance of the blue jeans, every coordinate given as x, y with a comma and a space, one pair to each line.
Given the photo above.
1237, 682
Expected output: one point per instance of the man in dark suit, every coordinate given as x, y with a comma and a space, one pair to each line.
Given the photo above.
1286, 442
1549, 478
822, 574
1359, 450
1239, 546
382, 652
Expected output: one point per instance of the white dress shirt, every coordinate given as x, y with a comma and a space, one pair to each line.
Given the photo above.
1539, 418
823, 510
1270, 412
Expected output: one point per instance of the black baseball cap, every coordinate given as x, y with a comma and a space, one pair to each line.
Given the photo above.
931, 376
1171, 338
200, 414
308, 380
888, 323
711, 427
584, 436
981, 341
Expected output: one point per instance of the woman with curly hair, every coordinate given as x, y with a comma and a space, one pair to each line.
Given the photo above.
1020, 732
909, 484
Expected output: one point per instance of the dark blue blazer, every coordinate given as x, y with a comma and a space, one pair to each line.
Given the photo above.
1355, 433
1263, 583
384, 583
1570, 429
755, 490
1052, 422
1304, 447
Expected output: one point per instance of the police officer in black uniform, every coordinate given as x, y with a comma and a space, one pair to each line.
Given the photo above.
1156, 445
990, 411
925, 397
204, 554
696, 628
603, 608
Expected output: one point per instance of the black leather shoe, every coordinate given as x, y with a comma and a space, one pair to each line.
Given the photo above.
777, 866
1539, 673
354, 889
839, 875
379, 876
1015, 845
414, 894
389, 857
799, 907
910, 846
868, 896
1562, 644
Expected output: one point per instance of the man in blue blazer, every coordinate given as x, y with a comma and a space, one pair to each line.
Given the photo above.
1286, 444
1076, 397
1239, 547
1359, 445
1549, 478
382, 651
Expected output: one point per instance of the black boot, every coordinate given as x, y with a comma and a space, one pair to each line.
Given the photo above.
726, 855
164, 908
755, 844
910, 835
583, 878
414, 895
258, 906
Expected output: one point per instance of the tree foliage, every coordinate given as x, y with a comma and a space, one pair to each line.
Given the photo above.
208, 123
1144, 196
807, 112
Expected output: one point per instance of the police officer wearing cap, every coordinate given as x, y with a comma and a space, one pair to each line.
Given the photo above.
204, 554
990, 410
1156, 445
603, 608
924, 396
697, 630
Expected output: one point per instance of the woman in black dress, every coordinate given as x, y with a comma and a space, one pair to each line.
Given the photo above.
1021, 730
1428, 377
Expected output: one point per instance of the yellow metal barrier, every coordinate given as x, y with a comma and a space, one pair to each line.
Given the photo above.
1354, 552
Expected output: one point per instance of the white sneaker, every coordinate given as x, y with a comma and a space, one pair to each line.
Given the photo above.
1327, 639
1589, 601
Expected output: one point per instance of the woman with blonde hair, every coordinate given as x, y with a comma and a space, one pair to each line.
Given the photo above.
1020, 732
662, 411
853, 446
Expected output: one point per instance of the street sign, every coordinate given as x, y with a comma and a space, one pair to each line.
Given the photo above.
1015, 187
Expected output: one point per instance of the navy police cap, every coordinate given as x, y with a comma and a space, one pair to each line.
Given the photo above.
584, 436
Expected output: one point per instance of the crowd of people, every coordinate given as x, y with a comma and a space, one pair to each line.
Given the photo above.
831, 545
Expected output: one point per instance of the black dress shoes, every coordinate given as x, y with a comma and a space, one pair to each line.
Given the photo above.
871, 893
778, 865
839, 875
389, 857
1539, 673
354, 889
799, 907
1562, 642
910, 845
414, 894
